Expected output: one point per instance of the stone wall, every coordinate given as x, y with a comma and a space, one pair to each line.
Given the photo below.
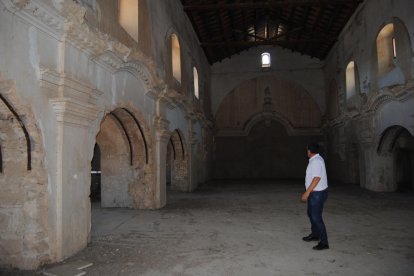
24, 236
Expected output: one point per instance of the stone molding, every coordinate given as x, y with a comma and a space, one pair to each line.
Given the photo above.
141, 72
73, 112
263, 116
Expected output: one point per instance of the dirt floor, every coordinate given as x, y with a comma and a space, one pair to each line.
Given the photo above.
249, 228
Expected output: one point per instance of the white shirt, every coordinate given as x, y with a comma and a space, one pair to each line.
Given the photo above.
316, 168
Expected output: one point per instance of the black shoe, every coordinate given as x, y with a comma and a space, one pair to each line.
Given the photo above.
321, 246
310, 238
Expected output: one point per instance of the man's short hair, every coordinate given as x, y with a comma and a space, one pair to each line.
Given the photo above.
313, 147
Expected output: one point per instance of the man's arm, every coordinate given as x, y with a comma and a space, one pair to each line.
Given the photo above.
311, 187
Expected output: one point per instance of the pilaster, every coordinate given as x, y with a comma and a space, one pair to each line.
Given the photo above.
162, 136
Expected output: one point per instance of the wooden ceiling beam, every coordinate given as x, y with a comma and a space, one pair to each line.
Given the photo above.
266, 4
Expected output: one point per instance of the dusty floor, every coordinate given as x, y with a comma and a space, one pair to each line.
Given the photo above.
250, 228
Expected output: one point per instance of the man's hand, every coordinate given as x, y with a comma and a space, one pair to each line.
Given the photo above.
312, 186
305, 197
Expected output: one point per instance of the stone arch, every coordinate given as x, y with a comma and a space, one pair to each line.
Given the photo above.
388, 139
23, 190
281, 119
126, 160
177, 162
396, 149
387, 69
141, 72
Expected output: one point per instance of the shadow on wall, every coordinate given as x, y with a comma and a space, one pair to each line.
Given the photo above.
267, 152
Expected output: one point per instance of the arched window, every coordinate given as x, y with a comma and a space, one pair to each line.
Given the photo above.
350, 80
196, 86
266, 61
176, 58
386, 49
128, 17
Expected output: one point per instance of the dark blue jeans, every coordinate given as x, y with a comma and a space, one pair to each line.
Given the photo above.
316, 200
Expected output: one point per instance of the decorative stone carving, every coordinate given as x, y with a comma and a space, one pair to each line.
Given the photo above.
141, 72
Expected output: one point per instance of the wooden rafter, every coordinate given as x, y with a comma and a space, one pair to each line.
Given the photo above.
227, 27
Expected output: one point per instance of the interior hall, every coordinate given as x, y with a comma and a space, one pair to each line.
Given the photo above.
174, 137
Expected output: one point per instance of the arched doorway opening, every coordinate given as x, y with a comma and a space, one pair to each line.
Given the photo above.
121, 165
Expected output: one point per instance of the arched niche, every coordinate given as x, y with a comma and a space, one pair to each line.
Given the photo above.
177, 163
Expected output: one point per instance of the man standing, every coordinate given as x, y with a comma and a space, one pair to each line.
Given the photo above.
316, 184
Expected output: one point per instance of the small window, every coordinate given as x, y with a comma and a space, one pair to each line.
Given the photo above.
266, 62
176, 57
350, 80
128, 17
394, 48
196, 86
